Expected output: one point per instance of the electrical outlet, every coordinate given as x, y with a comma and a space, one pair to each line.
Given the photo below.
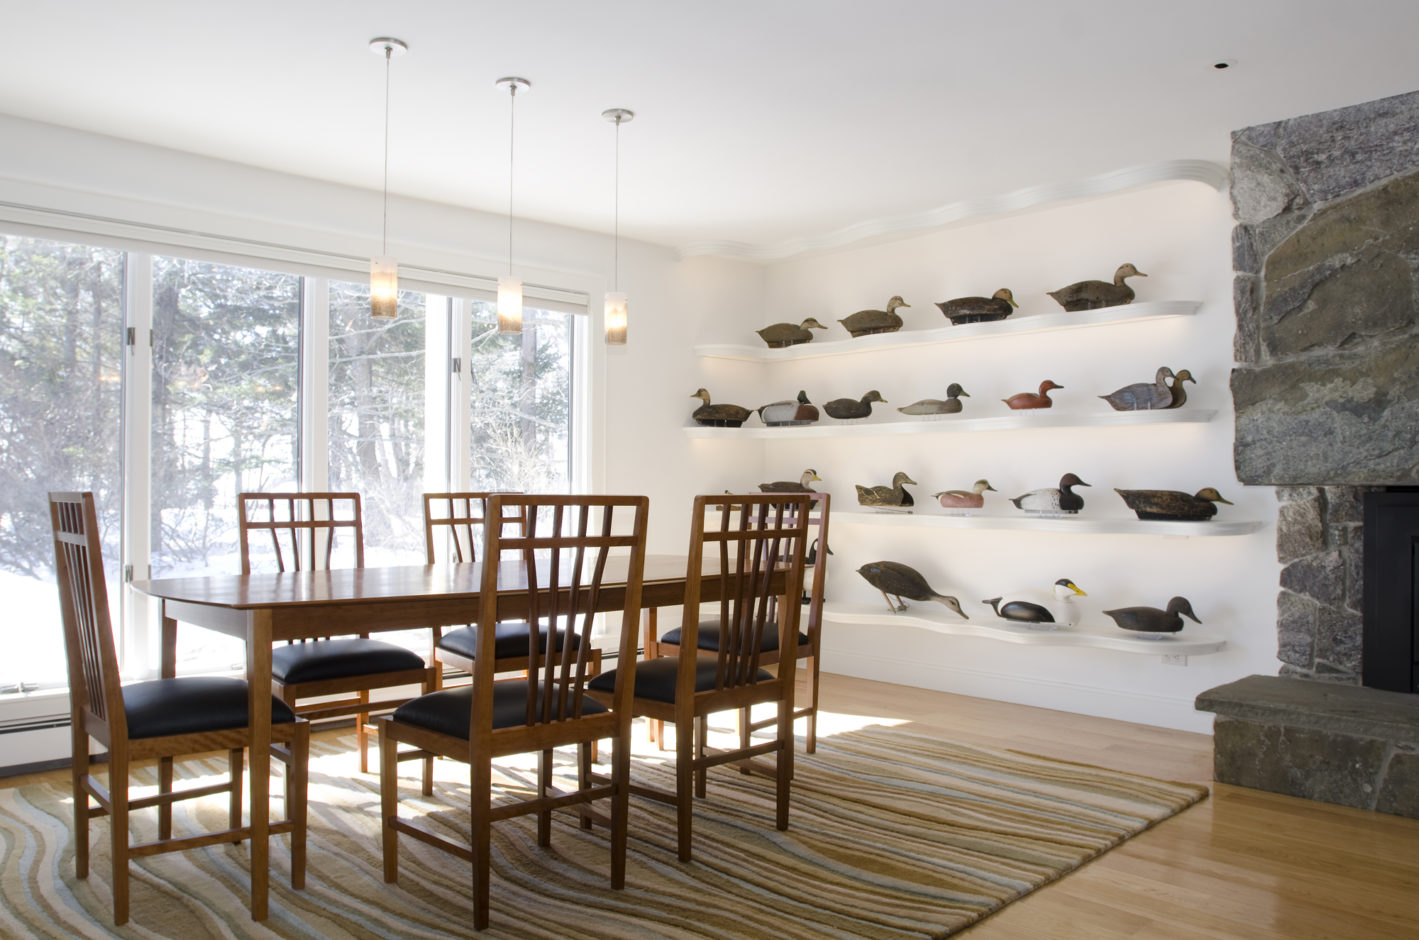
1175, 659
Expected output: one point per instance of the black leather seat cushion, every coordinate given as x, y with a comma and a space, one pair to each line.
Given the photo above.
315, 660
655, 678
190, 704
448, 711
509, 639
708, 637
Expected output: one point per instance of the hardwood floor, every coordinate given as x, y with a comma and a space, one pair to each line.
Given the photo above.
1242, 864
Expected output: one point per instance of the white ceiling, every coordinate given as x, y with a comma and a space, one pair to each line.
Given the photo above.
758, 121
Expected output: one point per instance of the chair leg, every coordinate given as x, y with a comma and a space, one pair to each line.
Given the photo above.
362, 736
388, 801
811, 745
620, 804
118, 834
585, 756
783, 762
297, 785
481, 790
700, 735
684, 783
165, 787
78, 771
236, 761
544, 783
746, 715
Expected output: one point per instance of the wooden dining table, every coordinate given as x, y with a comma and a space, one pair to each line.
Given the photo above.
261, 609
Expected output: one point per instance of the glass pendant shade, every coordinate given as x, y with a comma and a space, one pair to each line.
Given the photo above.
617, 318
509, 305
384, 287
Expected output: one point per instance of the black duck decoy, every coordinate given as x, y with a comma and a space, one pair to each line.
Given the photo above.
1144, 396
979, 309
949, 405
849, 409
1040, 399
1153, 620
718, 416
784, 413
1180, 393
895, 578
1065, 591
867, 322
1090, 295
1173, 504
973, 498
1051, 500
887, 497
779, 335
788, 486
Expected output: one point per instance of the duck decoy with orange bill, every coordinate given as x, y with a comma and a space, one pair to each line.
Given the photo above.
788, 486
1090, 295
1180, 393
1173, 504
1153, 620
949, 405
1143, 396
1052, 500
867, 322
895, 578
894, 497
850, 409
718, 416
979, 309
973, 498
779, 335
1023, 400
785, 413
1066, 613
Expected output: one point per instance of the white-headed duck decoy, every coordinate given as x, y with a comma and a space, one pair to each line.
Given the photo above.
895, 578
979, 309
887, 497
949, 405
718, 416
1025, 400
1173, 504
1153, 620
1180, 393
1089, 295
867, 322
788, 486
973, 498
849, 409
1144, 396
778, 335
1066, 612
781, 413
1063, 499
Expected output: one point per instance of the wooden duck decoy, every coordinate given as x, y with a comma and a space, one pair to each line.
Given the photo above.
1090, 295
949, 405
1180, 393
718, 416
1024, 400
1051, 500
788, 486
849, 409
895, 578
1065, 591
1143, 396
893, 497
783, 413
779, 335
1173, 504
1153, 620
998, 306
867, 322
973, 498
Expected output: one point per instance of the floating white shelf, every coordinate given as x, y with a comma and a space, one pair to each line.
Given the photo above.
1169, 645
948, 424
928, 516
1036, 323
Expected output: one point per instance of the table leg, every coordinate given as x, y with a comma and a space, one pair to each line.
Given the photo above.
258, 677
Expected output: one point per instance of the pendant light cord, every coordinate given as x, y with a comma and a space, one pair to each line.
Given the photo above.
384, 223
511, 144
616, 251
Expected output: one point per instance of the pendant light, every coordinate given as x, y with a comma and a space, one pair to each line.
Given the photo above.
384, 270
509, 287
617, 314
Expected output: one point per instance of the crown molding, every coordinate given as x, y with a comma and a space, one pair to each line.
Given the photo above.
1198, 171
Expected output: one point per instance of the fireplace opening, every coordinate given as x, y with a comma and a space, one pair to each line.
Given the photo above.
1391, 573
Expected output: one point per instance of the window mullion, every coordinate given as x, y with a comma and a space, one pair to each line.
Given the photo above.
315, 385
141, 645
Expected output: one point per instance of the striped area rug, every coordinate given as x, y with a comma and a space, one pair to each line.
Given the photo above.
892, 835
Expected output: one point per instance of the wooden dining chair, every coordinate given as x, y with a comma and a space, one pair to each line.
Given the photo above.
160, 718
311, 531
809, 637
552, 573
457, 521
748, 542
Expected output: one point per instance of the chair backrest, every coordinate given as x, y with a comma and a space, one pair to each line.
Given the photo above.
459, 518
550, 572
817, 533
746, 539
302, 529
83, 602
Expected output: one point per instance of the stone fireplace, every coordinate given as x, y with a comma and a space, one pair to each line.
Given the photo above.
1326, 389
